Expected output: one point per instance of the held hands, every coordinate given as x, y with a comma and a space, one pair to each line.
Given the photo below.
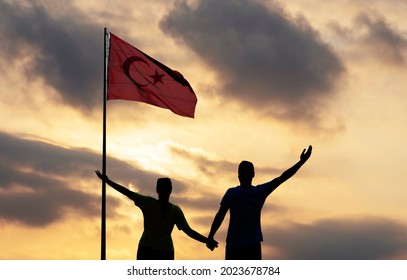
211, 244
306, 154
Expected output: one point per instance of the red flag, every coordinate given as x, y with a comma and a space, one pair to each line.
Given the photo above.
133, 75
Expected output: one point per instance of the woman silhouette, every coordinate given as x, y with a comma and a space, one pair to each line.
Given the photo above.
160, 216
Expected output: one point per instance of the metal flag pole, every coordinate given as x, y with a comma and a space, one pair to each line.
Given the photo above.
105, 81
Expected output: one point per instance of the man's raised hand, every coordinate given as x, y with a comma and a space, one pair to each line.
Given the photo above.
306, 154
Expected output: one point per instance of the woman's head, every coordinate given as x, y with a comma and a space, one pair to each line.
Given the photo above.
164, 188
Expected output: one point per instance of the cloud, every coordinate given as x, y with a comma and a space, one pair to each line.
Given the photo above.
43, 200
385, 40
65, 50
263, 57
374, 36
42, 182
214, 167
340, 239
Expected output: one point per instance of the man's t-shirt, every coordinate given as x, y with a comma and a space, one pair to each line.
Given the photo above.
158, 224
245, 209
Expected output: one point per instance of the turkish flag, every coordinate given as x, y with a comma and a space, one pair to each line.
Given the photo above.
133, 75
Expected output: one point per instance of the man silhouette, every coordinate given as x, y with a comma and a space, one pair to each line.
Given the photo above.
245, 203
160, 216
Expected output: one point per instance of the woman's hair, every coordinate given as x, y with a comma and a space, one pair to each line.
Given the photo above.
164, 189
164, 186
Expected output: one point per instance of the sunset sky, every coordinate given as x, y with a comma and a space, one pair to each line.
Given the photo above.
271, 78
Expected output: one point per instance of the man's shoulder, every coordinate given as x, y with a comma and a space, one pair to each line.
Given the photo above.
266, 188
234, 189
265, 185
230, 192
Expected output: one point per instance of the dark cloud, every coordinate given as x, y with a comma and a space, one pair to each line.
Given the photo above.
40, 181
375, 37
340, 239
263, 57
43, 200
387, 42
66, 51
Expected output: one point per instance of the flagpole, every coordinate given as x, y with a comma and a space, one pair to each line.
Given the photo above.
103, 222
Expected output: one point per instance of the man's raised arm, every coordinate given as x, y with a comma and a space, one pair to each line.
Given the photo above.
305, 155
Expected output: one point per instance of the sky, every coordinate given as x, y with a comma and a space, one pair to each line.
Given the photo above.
271, 78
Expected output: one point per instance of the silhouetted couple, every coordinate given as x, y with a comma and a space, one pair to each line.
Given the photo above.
243, 241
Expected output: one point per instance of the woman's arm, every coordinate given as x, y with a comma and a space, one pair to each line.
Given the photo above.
117, 187
211, 243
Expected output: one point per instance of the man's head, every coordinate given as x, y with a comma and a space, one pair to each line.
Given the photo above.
164, 188
246, 172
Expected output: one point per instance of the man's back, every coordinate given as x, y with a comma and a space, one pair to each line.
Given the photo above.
245, 206
245, 203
